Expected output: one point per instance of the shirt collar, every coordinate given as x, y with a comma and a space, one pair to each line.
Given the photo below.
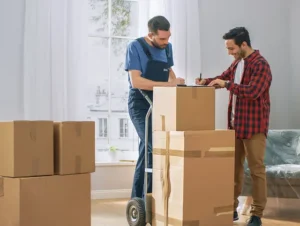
252, 56
249, 58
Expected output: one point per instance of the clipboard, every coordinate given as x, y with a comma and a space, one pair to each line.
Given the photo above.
197, 86
184, 85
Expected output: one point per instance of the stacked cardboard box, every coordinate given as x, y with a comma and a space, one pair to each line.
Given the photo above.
193, 164
45, 173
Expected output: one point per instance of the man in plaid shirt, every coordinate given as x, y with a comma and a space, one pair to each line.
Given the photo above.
248, 79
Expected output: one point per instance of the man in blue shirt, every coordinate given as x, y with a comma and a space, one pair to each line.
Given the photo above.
148, 62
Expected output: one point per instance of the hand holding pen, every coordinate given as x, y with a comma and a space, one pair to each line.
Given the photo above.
200, 81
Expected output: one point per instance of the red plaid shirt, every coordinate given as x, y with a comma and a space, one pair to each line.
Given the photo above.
252, 109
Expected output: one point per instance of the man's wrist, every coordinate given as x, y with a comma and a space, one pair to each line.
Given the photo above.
227, 83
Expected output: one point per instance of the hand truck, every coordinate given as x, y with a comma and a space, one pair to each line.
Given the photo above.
138, 211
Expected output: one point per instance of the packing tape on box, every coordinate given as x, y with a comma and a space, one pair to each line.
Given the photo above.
175, 222
1, 187
163, 122
218, 211
177, 153
223, 210
220, 152
149, 207
78, 164
216, 152
166, 180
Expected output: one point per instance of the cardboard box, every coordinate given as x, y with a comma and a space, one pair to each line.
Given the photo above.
74, 147
193, 184
46, 201
183, 108
26, 148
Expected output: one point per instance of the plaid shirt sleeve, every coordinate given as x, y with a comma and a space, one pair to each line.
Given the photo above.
224, 76
260, 81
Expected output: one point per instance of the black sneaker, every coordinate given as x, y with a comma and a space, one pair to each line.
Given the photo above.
254, 221
235, 216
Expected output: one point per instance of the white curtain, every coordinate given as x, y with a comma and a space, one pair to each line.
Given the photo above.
185, 28
55, 59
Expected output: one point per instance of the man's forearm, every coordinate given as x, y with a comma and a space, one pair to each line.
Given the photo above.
224, 76
251, 92
146, 84
208, 80
172, 75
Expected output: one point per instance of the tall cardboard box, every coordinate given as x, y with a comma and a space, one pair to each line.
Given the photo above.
183, 108
46, 201
74, 147
193, 178
26, 148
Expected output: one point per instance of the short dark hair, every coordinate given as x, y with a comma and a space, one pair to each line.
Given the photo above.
158, 23
239, 35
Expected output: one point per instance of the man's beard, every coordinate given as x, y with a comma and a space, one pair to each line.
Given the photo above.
242, 54
154, 43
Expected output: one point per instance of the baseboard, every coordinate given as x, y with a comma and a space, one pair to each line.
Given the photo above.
111, 194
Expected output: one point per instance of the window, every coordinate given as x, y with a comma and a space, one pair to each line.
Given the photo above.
102, 127
112, 25
102, 149
123, 128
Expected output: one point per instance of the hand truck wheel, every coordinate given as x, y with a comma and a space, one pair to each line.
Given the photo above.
136, 212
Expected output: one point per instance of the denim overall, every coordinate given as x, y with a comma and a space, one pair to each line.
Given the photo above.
138, 107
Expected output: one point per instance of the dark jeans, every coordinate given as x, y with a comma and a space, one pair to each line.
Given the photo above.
137, 114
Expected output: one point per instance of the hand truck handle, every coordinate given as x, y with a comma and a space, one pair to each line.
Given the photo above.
146, 97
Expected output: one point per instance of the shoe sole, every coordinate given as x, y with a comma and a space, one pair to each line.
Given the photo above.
235, 219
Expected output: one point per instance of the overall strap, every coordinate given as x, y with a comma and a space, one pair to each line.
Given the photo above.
167, 52
145, 48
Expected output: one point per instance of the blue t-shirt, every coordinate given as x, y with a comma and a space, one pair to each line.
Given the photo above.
136, 58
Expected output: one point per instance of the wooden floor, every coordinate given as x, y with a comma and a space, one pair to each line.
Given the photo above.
112, 213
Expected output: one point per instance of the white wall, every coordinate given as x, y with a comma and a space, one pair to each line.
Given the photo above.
112, 181
268, 25
294, 82
11, 58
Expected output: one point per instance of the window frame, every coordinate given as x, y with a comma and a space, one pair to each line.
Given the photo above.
105, 119
110, 114
123, 128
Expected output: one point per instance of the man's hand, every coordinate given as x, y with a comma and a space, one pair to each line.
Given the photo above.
177, 81
217, 83
199, 81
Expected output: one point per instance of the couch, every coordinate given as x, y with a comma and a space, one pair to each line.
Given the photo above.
282, 161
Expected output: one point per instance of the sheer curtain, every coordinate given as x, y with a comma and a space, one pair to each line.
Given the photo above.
185, 28
55, 59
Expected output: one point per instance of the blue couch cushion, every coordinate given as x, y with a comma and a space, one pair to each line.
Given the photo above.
282, 160
283, 147
288, 171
